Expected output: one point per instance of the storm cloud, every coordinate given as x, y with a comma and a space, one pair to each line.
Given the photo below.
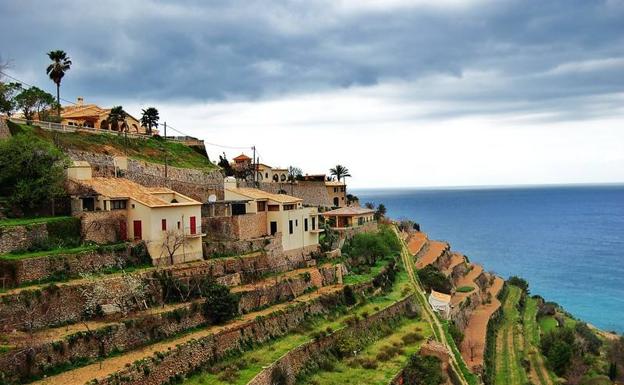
562, 57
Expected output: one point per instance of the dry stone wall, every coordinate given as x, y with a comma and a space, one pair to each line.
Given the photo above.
236, 227
102, 226
195, 183
136, 332
5, 133
64, 303
21, 237
21, 271
312, 193
174, 364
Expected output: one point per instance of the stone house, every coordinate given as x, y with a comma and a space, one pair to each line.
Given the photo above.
94, 116
275, 213
349, 217
169, 222
337, 191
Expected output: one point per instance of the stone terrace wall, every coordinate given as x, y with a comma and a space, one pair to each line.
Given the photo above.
297, 359
195, 183
236, 227
312, 193
186, 358
133, 333
369, 227
21, 237
21, 271
64, 303
102, 226
5, 133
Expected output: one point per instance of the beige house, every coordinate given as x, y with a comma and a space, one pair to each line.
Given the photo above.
168, 222
349, 217
298, 225
93, 116
268, 174
337, 191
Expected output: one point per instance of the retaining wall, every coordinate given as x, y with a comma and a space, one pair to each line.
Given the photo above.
21, 237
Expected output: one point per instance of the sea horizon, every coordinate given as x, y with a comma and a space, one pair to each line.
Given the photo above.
491, 187
566, 240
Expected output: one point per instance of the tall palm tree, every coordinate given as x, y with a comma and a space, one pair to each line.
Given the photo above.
56, 70
149, 119
115, 116
339, 172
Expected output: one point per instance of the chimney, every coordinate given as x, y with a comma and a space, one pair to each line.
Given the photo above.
80, 101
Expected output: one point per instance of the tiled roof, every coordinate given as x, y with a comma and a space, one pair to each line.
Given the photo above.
121, 188
257, 194
349, 211
242, 157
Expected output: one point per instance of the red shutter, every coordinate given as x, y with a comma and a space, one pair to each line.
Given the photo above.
138, 231
163, 224
193, 226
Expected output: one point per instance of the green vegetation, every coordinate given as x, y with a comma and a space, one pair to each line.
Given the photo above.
423, 371
9, 222
52, 252
220, 305
548, 324
154, 149
433, 279
32, 173
378, 362
464, 289
509, 354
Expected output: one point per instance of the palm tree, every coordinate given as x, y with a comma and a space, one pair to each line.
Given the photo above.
150, 119
116, 115
339, 172
56, 70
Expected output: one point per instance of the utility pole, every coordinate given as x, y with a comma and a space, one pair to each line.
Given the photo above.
255, 166
165, 147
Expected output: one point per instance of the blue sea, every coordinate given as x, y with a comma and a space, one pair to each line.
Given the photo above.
568, 242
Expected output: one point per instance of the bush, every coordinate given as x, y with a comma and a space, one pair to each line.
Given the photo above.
366, 248
433, 279
423, 371
220, 305
519, 282
457, 334
558, 347
278, 376
349, 296
464, 289
411, 338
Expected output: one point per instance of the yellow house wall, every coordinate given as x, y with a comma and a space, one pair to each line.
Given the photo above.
79, 172
299, 238
154, 235
341, 195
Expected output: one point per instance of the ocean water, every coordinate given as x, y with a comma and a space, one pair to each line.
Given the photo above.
568, 242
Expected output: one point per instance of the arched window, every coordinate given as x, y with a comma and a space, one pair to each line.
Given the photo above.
275, 178
104, 125
283, 177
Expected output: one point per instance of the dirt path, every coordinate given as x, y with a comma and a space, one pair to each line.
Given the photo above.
430, 317
432, 254
111, 365
473, 345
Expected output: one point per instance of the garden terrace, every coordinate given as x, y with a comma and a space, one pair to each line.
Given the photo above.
21, 236
475, 332
82, 343
434, 251
468, 280
416, 242
63, 303
153, 149
538, 373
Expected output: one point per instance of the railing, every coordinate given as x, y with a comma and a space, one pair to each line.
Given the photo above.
51, 126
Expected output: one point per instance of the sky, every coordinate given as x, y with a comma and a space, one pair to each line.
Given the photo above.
403, 93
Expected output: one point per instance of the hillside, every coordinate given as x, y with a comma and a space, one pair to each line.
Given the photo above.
153, 150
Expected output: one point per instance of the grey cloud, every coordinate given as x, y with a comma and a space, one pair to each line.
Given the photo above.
243, 49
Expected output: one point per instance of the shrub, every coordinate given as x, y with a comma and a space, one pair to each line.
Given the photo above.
464, 289
278, 376
220, 305
557, 346
411, 338
519, 282
433, 279
349, 296
423, 371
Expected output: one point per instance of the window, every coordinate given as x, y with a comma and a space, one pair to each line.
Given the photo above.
239, 209
261, 206
313, 223
290, 227
305, 224
163, 224
274, 208
178, 225
289, 207
296, 222
266, 175
118, 205
335, 189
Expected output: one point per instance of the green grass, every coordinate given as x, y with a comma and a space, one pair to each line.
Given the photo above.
353, 279
343, 373
548, 323
58, 251
151, 150
532, 339
509, 370
464, 289
29, 221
